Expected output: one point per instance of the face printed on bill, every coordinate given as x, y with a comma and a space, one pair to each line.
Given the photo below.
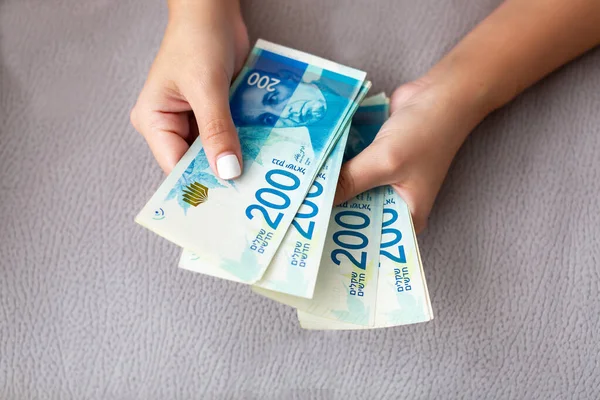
284, 101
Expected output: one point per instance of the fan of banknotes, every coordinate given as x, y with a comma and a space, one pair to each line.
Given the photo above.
298, 116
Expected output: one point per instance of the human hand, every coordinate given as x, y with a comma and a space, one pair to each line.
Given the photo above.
414, 148
518, 44
186, 93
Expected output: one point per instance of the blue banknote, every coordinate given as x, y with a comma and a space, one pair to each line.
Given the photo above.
295, 266
346, 286
293, 269
289, 109
402, 295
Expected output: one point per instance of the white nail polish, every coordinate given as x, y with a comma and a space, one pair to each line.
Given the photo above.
228, 167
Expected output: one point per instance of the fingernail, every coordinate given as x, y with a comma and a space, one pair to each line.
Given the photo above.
228, 166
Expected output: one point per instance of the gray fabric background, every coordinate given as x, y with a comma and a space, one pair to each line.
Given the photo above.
93, 307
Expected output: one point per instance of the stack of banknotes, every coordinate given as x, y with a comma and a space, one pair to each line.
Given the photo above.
298, 117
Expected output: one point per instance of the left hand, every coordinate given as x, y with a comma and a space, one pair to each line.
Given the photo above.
186, 94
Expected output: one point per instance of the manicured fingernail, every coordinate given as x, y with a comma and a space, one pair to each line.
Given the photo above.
228, 166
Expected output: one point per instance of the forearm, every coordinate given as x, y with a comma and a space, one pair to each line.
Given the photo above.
518, 44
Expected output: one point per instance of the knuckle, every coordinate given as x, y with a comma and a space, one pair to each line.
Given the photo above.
417, 204
420, 222
346, 183
391, 160
420, 216
134, 118
215, 131
403, 95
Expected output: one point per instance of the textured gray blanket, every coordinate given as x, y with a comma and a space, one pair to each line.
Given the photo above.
92, 306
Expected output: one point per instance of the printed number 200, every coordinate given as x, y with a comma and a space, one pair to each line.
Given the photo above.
314, 210
276, 191
263, 82
397, 236
351, 230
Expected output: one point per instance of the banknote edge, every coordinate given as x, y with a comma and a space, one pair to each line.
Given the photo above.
311, 59
421, 269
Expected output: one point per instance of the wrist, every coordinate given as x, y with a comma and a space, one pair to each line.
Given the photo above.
204, 8
472, 94
202, 3
456, 99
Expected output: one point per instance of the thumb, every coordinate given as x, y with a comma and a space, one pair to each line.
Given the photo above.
209, 100
367, 170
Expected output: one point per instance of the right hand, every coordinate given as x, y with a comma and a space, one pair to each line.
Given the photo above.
186, 93
415, 147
